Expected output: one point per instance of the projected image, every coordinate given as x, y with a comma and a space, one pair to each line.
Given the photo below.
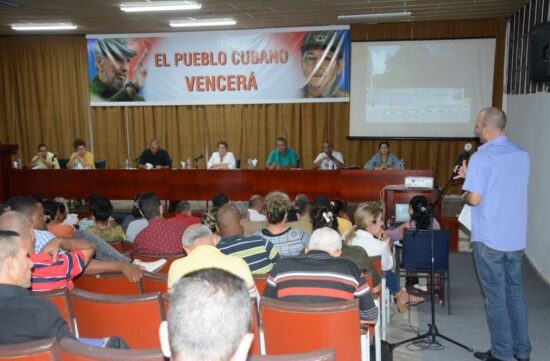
420, 88
402, 85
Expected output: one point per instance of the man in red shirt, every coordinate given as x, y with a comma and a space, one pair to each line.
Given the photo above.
161, 236
184, 215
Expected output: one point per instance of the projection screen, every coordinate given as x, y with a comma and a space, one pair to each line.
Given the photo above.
420, 89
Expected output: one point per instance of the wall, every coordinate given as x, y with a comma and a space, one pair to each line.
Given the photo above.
528, 108
529, 126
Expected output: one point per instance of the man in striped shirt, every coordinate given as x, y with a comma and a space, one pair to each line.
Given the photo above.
50, 272
321, 276
259, 254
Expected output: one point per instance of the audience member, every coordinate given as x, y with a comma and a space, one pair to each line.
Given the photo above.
107, 259
136, 223
105, 227
328, 158
222, 159
4, 207
289, 242
304, 219
54, 222
154, 157
81, 158
219, 200
134, 214
337, 207
259, 254
369, 234
384, 159
300, 199
209, 318
25, 317
282, 157
161, 236
198, 243
321, 275
184, 214
322, 217
50, 271
44, 159
208, 219
256, 209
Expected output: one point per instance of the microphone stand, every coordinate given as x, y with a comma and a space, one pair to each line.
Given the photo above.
433, 331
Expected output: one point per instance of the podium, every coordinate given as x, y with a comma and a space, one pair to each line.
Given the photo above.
6, 151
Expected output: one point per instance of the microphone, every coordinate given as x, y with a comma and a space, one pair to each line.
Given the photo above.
202, 156
463, 155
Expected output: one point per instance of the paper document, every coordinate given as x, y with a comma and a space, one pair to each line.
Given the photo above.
465, 217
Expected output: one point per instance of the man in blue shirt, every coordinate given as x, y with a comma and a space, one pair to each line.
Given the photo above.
282, 157
496, 181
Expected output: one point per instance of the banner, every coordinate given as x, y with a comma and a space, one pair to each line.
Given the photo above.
290, 65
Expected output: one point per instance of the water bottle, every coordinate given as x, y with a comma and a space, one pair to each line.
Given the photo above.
127, 164
188, 164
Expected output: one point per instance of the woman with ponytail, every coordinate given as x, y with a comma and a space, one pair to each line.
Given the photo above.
289, 241
419, 211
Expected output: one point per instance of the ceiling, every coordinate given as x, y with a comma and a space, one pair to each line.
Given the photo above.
104, 16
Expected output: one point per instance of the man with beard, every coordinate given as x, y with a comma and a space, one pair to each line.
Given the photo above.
112, 60
322, 63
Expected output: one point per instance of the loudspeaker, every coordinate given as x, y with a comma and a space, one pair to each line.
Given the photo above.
539, 53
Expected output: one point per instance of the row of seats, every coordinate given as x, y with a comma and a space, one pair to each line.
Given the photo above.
71, 350
136, 319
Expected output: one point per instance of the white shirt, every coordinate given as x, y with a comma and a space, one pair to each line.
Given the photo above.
329, 163
229, 159
135, 227
374, 247
256, 216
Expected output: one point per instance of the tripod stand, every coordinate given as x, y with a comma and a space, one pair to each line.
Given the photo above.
433, 331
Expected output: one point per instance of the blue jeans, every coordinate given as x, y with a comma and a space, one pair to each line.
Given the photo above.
103, 250
392, 282
499, 275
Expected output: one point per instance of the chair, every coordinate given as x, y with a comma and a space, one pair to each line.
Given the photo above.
100, 164
292, 327
260, 281
113, 283
63, 162
135, 318
62, 300
72, 350
321, 355
154, 282
385, 297
42, 350
123, 246
417, 256
257, 347
155, 257
238, 164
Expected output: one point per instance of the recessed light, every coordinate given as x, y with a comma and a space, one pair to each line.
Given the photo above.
43, 26
374, 16
159, 6
203, 22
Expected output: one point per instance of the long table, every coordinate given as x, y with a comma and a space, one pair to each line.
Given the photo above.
200, 184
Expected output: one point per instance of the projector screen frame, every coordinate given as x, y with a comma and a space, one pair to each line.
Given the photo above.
494, 97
